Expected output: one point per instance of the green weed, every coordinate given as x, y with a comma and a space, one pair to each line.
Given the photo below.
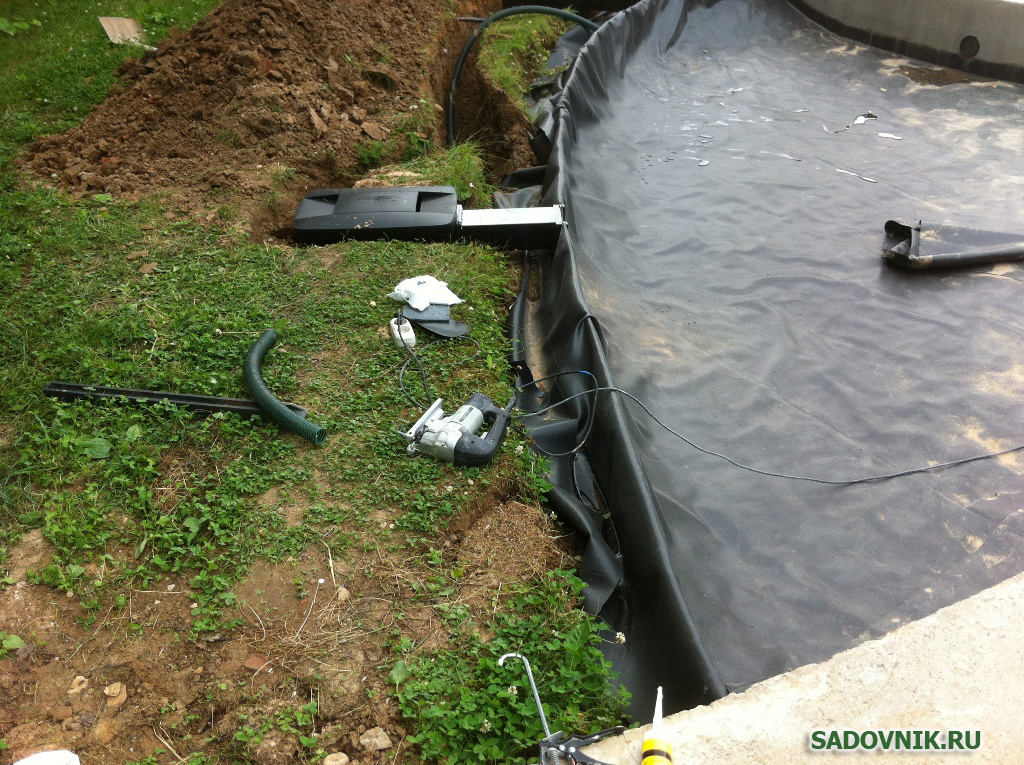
9, 643
372, 154
11, 28
465, 707
461, 166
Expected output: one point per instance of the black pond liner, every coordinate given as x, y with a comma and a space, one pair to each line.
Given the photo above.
722, 262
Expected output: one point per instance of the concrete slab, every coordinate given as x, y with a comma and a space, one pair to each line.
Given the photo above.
960, 669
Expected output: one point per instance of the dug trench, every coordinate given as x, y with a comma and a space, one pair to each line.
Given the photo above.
230, 123
235, 119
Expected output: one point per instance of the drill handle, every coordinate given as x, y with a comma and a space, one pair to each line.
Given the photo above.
475, 451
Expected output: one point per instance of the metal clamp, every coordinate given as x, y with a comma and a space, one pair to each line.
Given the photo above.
558, 747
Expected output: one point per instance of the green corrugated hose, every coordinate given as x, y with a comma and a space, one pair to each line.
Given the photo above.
261, 394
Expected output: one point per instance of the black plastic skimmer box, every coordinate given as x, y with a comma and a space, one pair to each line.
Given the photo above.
727, 169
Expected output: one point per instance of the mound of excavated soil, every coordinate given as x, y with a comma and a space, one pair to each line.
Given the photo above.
259, 93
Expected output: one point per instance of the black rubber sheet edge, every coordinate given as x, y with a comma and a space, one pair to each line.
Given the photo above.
633, 591
662, 644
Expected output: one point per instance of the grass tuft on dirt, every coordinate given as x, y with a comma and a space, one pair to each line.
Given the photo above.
515, 50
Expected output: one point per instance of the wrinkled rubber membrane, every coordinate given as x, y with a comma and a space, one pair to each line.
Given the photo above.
722, 262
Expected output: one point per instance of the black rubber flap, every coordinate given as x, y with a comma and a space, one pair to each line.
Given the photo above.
722, 262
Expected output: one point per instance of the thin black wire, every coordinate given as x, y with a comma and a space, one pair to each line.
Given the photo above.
590, 421
401, 373
869, 479
423, 374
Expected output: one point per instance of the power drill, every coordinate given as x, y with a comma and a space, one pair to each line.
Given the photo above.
453, 438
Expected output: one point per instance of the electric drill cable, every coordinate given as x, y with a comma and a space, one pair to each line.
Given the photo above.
831, 482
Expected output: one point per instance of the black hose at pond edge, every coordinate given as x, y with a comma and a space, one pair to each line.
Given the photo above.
261, 394
535, 9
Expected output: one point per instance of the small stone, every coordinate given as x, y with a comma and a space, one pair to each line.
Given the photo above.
62, 713
357, 113
116, 694
107, 729
319, 126
375, 131
255, 662
375, 739
197, 671
342, 594
78, 685
335, 758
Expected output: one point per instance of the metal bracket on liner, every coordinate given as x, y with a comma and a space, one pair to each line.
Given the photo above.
559, 747
432, 213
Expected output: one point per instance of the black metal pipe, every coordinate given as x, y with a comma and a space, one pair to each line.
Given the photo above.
907, 252
243, 407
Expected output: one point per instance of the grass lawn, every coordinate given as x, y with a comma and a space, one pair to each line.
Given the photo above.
127, 499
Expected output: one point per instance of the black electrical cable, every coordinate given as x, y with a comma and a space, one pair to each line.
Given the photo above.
590, 421
850, 482
412, 354
576, 485
423, 374
457, 74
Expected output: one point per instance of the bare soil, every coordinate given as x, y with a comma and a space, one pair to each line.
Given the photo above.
316, 629
256, 104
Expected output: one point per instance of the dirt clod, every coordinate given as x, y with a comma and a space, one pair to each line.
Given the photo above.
255, 662
116, 694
